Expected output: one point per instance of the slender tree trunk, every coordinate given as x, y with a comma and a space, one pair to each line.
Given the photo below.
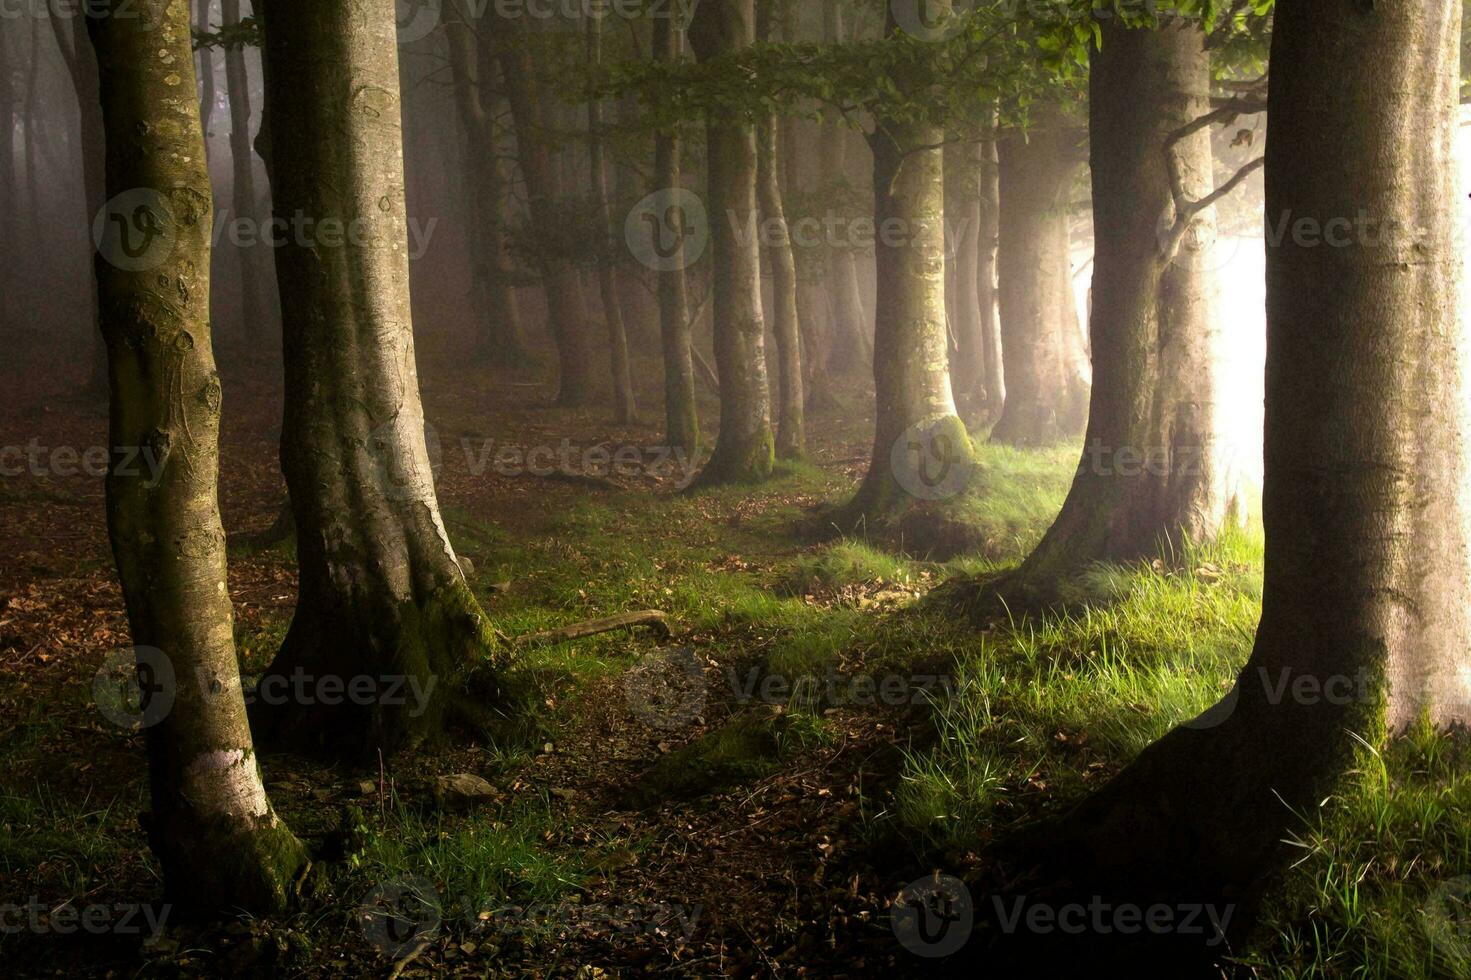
9, 196
852, 348
624, 407
81, 64
744, 449
962, 269
988, 190
791, 438
1046, 379
919, 439
206, 68
381, 592
562, 282
1148, 478
499, 332
1366, 579
213, 829
254, 308
681, 413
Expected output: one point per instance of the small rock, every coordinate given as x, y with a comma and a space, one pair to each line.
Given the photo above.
367, 788
466, 565
463, 791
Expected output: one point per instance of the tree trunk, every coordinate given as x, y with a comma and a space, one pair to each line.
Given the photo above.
562, 282
213, 829
962, 271
1366, 579
624, 407
1041, 343
254, 307
791, 438
382, 595
471, 62
744, 448
681, 413
1148, 479
921, 449
988, 190
206, 68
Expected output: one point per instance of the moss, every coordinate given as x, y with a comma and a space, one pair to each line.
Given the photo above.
746, 748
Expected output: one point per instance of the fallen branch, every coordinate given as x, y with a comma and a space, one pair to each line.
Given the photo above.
651, 618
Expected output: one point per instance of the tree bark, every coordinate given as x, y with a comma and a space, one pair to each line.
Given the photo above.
744, 448
624, 406
917, 427
791, 438
382, 594
1148, 478
213, 829
1366, 578
1041, 342
681, 412
962, 274
206, 68
561, 281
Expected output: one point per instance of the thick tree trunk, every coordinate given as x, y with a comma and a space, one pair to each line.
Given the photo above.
1041, 342
1366, 579
744, 449
791, 438
561, 281
920, 443
254, 306
1148, 478
681, 413
625, 408
382, 595
213, 829
499, 333
962, 271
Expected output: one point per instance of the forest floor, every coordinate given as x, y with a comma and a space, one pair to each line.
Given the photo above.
748, 798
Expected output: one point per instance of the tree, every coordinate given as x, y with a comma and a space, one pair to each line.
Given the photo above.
681, 413
916, 422
972, 205
382, 594
625, 409
254, 280
1366, 578
561, 280
744, 448
1148, 479
212, 827
473, 66
791, 438
1046, 369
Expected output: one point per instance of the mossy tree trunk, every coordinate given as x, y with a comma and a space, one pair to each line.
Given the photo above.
681, 412
1366, 579
745, 446
381, 592
472, 66
791, 437
625, 408
1047, 377
218, 840
561, 280
917, 427
1148, 478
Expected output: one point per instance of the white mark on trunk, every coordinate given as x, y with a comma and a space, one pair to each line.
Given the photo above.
226, 782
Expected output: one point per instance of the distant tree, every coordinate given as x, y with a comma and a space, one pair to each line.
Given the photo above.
218, 840
255, 282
